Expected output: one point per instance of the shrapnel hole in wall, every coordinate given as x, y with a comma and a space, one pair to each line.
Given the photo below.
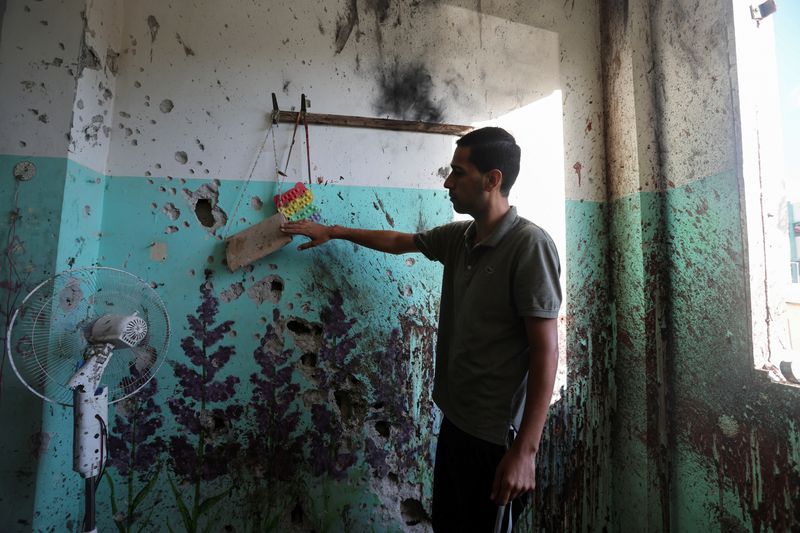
202, 210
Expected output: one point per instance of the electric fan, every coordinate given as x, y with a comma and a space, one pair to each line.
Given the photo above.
86, 338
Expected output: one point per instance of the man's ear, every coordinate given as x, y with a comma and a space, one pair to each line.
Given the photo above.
494, 178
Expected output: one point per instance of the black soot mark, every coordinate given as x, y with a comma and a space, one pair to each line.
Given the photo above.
407, 93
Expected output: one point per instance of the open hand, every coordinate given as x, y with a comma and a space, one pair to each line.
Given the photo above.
318, 233
515, 475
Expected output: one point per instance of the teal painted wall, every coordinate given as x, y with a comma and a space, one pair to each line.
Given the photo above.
30, 227
736, 441
337, 359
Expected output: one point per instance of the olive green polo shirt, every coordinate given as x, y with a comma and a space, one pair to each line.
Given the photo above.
488, 289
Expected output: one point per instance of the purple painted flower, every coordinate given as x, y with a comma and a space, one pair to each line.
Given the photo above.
132, 441
208, 443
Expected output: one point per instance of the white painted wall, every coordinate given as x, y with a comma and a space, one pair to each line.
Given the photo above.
38, 61
221, 91
93, 108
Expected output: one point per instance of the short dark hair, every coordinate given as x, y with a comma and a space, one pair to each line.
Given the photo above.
493, 148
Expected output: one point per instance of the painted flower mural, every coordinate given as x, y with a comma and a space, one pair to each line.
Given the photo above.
204, 410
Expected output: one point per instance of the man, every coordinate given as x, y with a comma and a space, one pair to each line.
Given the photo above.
497, 347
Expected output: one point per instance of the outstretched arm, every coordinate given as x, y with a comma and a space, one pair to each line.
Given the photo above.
516, 473
391, 242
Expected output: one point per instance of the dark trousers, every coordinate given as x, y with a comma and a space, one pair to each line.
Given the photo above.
462, 483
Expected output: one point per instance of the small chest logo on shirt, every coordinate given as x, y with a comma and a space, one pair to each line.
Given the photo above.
489, 269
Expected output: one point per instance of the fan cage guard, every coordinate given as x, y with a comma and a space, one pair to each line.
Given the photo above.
49, 332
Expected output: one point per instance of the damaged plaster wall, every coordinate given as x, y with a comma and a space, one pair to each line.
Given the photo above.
701, 440
334, 347
39, 47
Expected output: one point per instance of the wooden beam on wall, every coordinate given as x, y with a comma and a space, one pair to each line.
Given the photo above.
376, 123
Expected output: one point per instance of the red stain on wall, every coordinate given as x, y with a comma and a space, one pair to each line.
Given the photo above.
577, 166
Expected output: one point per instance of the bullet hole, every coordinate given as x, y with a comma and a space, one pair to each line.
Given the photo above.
410, 261
112, 61
383, 428
268, 289
299, 327
407, 291
307, 335
309, 359
256, 203
158, 165
185, 223
137, 84
413, 512
181, 157
161, 188
87, 210
166, 106
153, 26
171, 211
153, 205
232, 293
171, 229
23, 144
199, 144
351, 406
43, 118
70, 296
24, 170
202, 209
134, 142
203, 202
128, 132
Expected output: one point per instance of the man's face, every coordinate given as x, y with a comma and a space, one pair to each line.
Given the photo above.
465, 183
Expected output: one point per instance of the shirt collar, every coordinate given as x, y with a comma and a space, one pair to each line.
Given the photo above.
506, 223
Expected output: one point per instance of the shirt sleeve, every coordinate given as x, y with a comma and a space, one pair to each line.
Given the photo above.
437, 244
537, 290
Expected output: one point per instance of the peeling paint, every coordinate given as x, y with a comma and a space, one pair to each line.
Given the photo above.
268, 289
158, 251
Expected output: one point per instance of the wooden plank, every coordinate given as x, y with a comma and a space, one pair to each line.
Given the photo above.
377, 123
255, 242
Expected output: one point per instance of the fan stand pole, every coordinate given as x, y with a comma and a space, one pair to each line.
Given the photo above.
88, 515
89, 453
